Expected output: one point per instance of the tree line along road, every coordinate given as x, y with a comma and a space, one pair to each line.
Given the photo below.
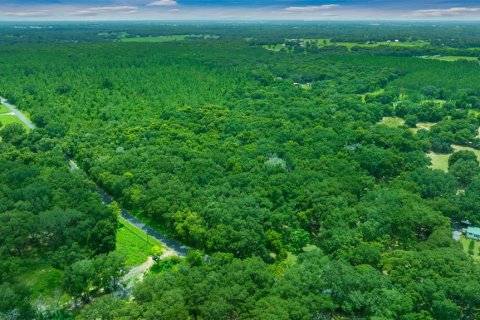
171, 245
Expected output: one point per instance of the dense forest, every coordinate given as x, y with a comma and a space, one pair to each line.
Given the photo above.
306, 181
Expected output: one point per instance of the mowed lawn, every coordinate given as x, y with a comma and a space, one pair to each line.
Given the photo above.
6, 118
3, 109
453, 58
132, 243
440, 161
466, 242
393, 122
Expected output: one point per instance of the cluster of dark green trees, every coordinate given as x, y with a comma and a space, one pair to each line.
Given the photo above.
48, 216
251, 156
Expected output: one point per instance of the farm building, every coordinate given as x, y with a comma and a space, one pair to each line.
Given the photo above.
473, 233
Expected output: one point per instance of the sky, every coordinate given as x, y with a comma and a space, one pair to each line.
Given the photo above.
20, 10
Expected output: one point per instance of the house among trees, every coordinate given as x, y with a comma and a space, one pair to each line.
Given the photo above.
473, 233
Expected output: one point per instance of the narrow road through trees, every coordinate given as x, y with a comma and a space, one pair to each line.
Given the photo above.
17, 112
171, 245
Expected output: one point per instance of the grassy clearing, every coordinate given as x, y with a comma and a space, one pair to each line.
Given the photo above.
452, 58
273, 47
323, 42
45, 283
132, 243
465, 243
350, 45
439, 161
320, 42
372, 94
3, 109
423, 125
435, 101
462, 148
393, 122
474, 112
8, 119
179, 37
408, 44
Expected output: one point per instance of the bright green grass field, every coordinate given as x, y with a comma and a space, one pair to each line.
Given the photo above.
132, 243
440, 161
465, 242
393, 122
179, 37
408, 44
7, 119
3, 109
45, 283
453, 58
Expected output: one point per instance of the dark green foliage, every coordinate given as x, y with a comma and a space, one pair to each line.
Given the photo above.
462, 155
47, 214
434, 183
252, 158
464, 171
471, 246
87, 277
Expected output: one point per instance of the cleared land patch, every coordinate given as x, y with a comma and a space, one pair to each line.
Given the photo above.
180, 37
423, 125
393, 122
451, 58
3, 109
7, 118
323, 42
45, 283
465, 244
440, 161
132, 243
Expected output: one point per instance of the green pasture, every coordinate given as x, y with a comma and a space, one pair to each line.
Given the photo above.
440, 161
133, 244
466, 242
3, 109
452, 58
45, 283
180, 37
393, 122
9, 118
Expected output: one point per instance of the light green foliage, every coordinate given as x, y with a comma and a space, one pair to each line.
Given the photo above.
453, 58
297, 204
439, 161
394, 122
470, 249
132, 244
7, 118
167, 38
3, 109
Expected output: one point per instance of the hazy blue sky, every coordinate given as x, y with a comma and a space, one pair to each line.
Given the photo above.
235, 9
